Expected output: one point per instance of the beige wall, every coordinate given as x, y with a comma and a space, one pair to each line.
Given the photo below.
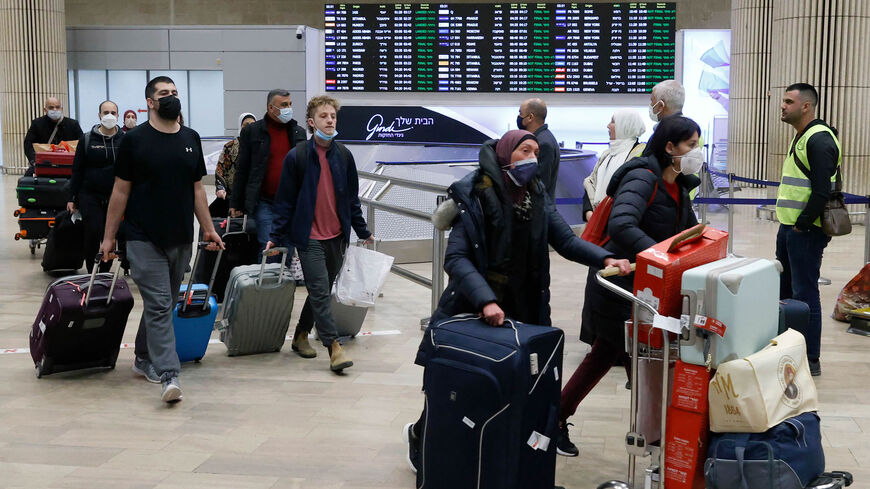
691, 14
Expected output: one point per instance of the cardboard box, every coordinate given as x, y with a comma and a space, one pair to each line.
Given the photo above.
659, 275
687, 437
691, 386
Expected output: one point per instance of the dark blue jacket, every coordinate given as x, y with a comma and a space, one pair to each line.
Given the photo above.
633, 227
466, 261
294, 203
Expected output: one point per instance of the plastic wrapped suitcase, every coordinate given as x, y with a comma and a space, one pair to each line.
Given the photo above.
733, 309
659, 268
257, 307
34, 223
54, 164
193, 318
492, 405
42, 192
64, 247
81, 322
240, 239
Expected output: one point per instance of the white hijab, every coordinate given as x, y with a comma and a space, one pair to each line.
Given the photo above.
242, 119
628, 127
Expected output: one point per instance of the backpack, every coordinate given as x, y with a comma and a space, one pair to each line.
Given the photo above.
596, 229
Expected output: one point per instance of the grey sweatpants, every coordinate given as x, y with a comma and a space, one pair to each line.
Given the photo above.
158, 274
320, 264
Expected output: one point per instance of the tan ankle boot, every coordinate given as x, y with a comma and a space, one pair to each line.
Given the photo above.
301, 345
338, 360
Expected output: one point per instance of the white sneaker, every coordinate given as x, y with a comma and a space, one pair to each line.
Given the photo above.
172, 391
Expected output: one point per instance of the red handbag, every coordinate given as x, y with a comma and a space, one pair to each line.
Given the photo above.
596, 229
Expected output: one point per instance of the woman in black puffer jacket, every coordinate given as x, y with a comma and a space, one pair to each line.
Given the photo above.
650, 204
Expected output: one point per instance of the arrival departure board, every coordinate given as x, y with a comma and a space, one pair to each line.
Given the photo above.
499, 47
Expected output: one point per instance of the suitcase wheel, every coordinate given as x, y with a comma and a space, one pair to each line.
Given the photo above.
196, 360
17, 236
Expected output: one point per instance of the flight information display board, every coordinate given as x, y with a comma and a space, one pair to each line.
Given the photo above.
624, 47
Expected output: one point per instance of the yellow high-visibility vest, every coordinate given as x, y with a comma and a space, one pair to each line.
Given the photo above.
795, 187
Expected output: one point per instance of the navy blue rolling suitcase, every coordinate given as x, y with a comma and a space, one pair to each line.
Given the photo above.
794, 314
492, 405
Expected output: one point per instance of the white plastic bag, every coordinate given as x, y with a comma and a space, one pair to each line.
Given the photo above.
361, 277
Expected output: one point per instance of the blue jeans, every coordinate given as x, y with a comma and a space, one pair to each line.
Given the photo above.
263, 216
800, 253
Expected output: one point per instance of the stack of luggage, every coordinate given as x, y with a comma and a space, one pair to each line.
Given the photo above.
740, 405
40, 198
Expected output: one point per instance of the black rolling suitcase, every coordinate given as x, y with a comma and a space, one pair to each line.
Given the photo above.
34, 223
240, 239
64, 248
492, 405
81, 323
43, 192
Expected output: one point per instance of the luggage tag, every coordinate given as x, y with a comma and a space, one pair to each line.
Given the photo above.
710, 324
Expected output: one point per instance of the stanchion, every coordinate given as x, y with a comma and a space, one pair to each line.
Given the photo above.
703, 207
731, 214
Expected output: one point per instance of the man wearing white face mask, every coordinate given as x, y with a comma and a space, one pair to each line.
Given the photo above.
666, 99
93, 176
262, 148
51, 128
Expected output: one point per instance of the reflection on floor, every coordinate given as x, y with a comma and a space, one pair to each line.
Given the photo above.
279, 421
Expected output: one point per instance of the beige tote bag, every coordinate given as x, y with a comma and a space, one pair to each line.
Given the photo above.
753, 394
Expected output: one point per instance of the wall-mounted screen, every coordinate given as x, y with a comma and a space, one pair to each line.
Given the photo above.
624, 47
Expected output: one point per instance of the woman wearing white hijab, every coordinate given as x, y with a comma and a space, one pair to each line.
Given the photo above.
625, 127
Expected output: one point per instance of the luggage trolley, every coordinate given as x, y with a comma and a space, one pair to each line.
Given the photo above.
636, 442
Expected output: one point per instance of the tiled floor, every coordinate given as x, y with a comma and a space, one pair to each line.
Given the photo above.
279, 421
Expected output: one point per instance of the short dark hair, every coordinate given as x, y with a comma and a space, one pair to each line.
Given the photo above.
108, 102
674, 129
276, 92
807, 91
151, 87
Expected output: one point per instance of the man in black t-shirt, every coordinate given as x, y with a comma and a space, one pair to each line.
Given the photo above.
158, 189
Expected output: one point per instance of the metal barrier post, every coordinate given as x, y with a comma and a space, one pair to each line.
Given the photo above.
731, 214
370, 211
867, 231
437, 259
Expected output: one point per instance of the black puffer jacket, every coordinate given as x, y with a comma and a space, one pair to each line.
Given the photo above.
94, 164
634, 227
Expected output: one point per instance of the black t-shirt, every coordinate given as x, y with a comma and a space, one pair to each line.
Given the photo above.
162, 168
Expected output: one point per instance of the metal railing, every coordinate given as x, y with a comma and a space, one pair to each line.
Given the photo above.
436, 283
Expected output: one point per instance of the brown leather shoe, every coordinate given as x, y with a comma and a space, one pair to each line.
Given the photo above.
301, 345
338, 360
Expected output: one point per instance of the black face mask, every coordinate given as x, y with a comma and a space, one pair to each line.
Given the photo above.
520, 124
169, 108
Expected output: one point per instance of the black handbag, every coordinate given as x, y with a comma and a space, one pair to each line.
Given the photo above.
835, 217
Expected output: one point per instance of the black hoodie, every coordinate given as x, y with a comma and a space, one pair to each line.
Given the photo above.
94, 164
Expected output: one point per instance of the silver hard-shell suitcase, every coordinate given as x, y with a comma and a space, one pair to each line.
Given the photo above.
257, 307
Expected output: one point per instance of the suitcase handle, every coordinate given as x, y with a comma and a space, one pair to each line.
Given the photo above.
188, 291
271, 252
90, 286
244, 229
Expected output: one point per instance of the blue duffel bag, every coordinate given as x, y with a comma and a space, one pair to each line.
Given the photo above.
787, 456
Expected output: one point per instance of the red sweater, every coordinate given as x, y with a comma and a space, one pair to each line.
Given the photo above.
278, 149
326, 224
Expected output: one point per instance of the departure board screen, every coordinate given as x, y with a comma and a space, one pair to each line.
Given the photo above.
499, 47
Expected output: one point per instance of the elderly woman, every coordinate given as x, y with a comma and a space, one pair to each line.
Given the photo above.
497, 256
226, 169
624, 128
650, 204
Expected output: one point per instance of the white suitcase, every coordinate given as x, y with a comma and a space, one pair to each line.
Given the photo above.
737, 295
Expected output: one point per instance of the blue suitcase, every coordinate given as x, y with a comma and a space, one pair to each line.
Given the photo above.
492, 405
194, 315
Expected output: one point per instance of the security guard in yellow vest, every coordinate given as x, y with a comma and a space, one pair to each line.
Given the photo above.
809, 172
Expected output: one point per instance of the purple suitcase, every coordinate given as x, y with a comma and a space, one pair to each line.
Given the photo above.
81, 323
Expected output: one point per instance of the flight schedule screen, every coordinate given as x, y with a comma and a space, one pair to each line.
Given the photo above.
503, 47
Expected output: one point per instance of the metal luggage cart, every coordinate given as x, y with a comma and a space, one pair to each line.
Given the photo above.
636, 442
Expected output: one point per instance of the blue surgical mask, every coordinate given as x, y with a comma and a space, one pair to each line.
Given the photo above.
285, 114
326, 137
523, 172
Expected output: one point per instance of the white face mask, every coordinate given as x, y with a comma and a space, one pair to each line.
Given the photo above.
109, 121
55, 114
285, 114
691, 162
652, 111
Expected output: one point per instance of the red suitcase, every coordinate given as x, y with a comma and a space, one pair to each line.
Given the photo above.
54, 164
659, 274
81, 323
